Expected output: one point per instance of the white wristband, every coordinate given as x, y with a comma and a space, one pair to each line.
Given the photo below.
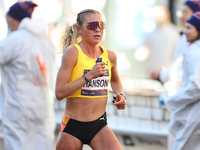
121, 93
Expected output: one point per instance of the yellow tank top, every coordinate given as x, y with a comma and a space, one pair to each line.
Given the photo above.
97, 87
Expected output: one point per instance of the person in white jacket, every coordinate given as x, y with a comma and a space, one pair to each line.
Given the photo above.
174, 72
28, 71
185, 121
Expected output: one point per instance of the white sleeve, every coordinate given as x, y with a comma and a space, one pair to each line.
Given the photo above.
164, 75
189, 92
7, 49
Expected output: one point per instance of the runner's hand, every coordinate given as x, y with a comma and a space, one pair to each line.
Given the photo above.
121, 102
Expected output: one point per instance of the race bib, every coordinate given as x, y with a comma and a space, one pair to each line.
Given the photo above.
97, 86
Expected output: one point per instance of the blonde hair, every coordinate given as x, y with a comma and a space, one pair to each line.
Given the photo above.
71, 35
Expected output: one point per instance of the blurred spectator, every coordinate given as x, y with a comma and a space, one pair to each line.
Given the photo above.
184, 104
161, 42
27, 60
174, 72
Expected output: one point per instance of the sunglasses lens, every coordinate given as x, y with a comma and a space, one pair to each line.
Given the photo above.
94, 25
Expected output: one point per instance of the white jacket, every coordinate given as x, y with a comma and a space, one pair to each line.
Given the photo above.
28, 72
169, 73
185, 104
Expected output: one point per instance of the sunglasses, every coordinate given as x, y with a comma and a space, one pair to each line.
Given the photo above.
94, 25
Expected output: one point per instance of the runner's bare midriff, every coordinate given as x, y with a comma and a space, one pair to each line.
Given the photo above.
85, 109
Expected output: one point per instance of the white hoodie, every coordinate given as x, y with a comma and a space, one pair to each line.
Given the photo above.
28, 72
185, 123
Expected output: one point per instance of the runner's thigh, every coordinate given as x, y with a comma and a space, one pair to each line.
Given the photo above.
105, 139
68, 142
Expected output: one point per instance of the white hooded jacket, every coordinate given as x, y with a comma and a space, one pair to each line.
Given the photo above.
185, 121
28, 72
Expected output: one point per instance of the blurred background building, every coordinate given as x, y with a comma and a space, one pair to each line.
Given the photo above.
128, 24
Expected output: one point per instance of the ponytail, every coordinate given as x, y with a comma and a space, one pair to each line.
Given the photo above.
71, 36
